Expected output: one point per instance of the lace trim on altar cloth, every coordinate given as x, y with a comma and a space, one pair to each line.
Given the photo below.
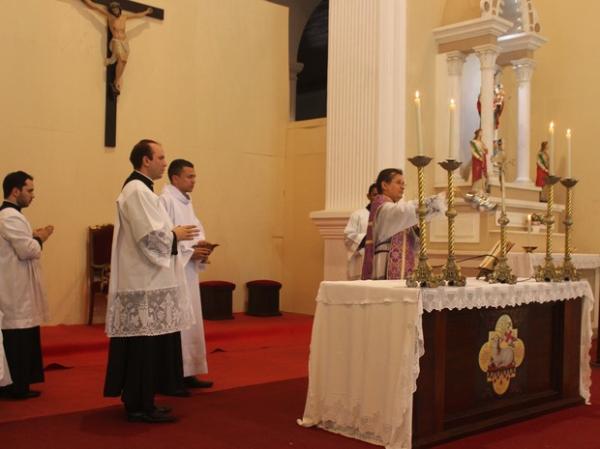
143, 313
351, 422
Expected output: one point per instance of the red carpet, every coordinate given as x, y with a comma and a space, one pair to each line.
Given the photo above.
244, 351
259, 367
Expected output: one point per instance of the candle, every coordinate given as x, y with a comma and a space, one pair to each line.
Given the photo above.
419, 128
451, 132
569, 153
551, 143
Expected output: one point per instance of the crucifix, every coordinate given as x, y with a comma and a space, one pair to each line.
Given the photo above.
117, 52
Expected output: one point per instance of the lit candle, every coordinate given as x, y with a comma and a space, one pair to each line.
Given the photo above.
569, 155
419, 128
551, 143
451, 132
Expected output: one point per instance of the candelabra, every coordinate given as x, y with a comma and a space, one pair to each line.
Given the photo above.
568, 272
423, 275
451, 274
502, 273
547, 272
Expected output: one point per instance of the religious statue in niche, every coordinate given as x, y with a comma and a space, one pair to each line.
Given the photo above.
499, 95
119, 47
542, 170
477, 169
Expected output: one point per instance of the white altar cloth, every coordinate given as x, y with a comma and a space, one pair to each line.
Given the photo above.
367, 340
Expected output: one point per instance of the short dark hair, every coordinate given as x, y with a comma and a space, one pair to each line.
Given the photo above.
13, 180
141, 149
386, 175
176, 166
371, 187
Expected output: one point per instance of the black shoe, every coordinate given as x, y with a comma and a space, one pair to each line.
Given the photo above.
192, 382
183, 393
152, 418
21, 395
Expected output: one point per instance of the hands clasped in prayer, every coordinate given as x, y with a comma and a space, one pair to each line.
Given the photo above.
43, 233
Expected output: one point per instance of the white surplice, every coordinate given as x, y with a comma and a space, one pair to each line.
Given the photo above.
354, 233
147, 294
4, 371
392, 218
22, 297
193, 347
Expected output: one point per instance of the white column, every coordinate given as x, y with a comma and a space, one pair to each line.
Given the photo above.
487, 55
455, 61
295, 69
365, 111
524, 71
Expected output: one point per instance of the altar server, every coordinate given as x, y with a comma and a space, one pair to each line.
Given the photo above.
392, 238
354, 235
176, 200
147, 298
22, 297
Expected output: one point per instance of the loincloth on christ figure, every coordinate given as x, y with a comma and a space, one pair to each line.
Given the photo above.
119, 50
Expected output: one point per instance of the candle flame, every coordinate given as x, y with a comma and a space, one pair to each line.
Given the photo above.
417, 96
568, 133
452, 104
551, 128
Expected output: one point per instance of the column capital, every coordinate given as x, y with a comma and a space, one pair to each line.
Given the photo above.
455, 60
523, 69
487, 55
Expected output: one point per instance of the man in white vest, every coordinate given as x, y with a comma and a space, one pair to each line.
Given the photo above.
23, 304
176, 200
148, 303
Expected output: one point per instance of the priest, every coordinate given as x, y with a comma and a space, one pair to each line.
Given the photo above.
392, 236
23, 303
147, 298
176, 200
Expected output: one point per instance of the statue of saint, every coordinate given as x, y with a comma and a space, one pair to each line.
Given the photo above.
477, 169
542, 170
479, 174
119, 47
499, 95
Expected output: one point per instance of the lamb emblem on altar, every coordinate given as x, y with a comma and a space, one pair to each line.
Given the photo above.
501, 355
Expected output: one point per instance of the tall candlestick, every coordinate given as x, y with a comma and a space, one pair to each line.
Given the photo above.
569, 154
551, 143
451, 131
419, 128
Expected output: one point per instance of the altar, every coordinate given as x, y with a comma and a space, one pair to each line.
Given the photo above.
401, 367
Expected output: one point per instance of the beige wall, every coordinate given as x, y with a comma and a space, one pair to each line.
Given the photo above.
304, 193
210, 83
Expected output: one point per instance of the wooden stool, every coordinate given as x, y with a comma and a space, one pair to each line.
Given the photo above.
215, 297
263, 298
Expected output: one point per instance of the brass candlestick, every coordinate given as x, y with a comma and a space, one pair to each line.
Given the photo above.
502, 273
568, 272
423, 275
547, 272
451, 274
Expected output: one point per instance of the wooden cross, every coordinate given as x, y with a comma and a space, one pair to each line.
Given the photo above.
110, 120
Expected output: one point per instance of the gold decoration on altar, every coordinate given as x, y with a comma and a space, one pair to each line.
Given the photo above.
501, 355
